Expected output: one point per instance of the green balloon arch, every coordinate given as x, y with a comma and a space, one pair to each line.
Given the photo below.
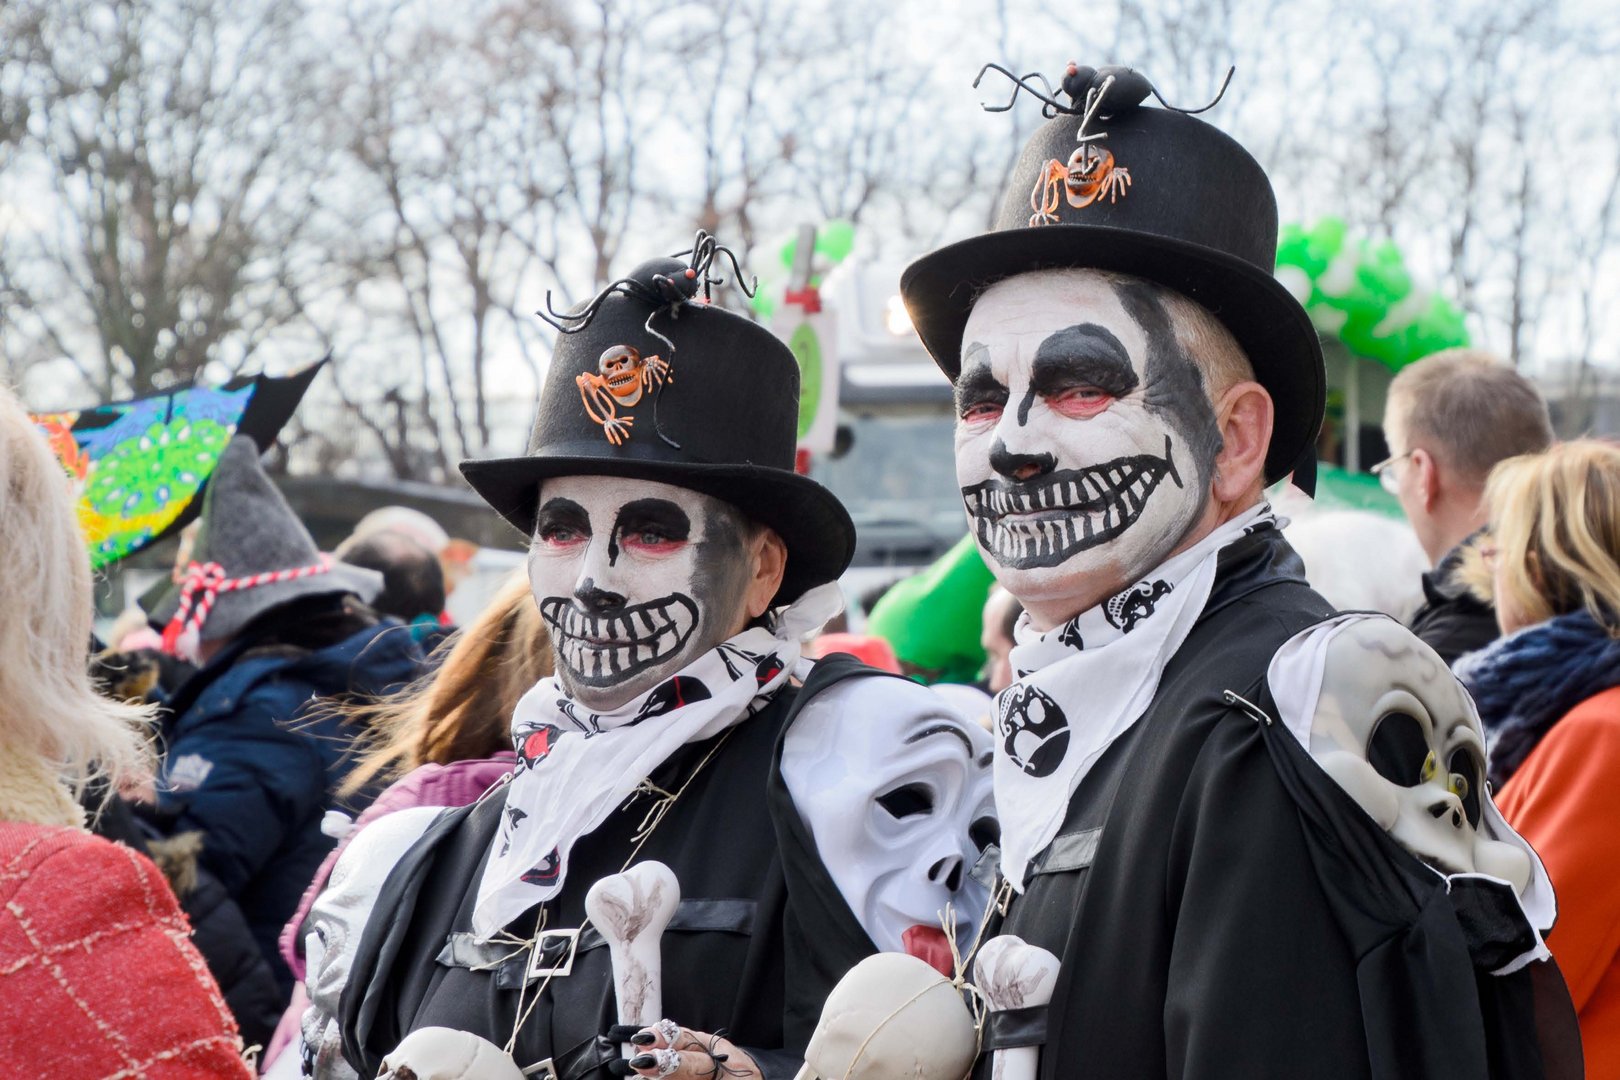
1360, 292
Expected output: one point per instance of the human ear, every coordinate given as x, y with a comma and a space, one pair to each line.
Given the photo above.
1425, 479
1244, 414
768, 555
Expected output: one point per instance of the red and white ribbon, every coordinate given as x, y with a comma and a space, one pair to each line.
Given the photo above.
201, 587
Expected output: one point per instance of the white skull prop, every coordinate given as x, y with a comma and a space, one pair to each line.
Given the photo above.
436, 1053
892, 1016
895, 788
1397, 731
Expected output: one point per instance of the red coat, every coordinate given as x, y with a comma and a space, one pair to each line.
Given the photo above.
1565, 800
98, 979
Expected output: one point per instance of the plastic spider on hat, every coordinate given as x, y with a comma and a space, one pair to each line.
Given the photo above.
1090, 174
624, 373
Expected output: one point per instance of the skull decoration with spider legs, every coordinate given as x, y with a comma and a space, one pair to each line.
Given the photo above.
1395, 729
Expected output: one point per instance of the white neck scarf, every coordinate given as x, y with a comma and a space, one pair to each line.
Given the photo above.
1082, 685
575, 766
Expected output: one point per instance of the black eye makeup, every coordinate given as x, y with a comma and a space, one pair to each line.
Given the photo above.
558, 517
649, 521
976, 385
1083, 355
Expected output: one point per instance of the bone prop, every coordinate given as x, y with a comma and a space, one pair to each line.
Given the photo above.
1014, 975
630, 911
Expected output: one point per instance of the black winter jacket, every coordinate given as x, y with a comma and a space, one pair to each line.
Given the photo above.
217, 927
1451, 621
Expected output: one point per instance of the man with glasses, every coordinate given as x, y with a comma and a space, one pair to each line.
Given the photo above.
1449, 419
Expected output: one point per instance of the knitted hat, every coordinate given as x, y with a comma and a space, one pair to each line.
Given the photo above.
252, 554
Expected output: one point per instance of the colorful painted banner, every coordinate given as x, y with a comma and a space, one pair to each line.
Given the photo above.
140, 465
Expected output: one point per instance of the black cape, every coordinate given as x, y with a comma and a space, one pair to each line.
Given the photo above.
749, 903
1222, 909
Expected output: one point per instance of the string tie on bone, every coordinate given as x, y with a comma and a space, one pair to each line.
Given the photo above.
978, 1004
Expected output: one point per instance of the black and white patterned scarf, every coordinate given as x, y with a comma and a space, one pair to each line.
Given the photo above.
1082, 685
576, 766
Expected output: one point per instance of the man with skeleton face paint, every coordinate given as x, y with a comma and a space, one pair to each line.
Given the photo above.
1128, 377
677, 561
634, 579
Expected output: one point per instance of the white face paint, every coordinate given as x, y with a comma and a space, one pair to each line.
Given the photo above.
635, 579
1085, 440
1393, 728
896, 790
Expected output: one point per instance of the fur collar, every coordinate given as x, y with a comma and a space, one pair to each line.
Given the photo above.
32, 792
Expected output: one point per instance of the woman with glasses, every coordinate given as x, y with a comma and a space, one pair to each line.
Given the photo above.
1549, 695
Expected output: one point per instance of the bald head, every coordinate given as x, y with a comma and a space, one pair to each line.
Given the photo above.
413, 582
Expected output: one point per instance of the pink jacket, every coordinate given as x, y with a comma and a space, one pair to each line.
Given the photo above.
455, 784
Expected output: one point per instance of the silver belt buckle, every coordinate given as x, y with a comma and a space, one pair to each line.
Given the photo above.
539, 965
544, 1070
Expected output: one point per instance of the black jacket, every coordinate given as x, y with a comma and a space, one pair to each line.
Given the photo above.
218, 929
252, 761
1451, 621
1212, 922
724, 959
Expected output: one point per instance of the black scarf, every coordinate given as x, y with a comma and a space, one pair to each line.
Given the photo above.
1525, 683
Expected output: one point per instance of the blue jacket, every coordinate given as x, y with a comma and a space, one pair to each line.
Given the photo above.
254, 767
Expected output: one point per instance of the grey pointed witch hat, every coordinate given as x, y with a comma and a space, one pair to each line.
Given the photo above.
252, 553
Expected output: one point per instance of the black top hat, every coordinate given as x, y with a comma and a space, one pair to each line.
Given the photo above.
1107, 184
651, 382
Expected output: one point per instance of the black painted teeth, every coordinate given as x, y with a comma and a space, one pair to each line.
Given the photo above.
1067, 511
614, 645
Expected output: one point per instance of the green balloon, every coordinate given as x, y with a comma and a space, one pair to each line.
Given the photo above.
1362, 293
835, 239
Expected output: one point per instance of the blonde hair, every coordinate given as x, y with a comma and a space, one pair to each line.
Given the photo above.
462, 710
1555, 519
50, 705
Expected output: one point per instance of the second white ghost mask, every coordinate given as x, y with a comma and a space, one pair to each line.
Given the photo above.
895, 788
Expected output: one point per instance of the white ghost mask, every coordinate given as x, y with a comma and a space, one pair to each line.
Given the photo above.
895, 788
634, 579
1383, 716
1085, 439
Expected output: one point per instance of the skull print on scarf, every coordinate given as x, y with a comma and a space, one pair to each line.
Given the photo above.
1085, 440
634, 579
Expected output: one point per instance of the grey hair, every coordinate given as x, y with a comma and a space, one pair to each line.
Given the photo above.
1470, 409
51, 707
